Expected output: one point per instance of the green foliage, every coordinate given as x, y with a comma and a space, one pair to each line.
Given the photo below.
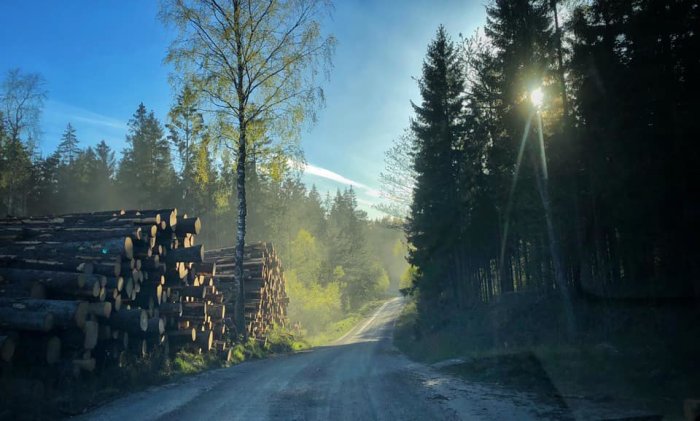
193, 142
305, 258
340, 327
315, 306
281, 340
238, 354
146, 171
189, 363
407, 278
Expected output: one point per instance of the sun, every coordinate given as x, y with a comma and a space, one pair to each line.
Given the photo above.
537, 97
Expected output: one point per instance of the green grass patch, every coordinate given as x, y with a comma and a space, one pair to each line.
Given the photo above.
186, 363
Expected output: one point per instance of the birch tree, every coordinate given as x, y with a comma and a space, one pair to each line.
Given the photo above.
253, 61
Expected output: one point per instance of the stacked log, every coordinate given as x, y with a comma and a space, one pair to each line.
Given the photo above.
265, 301
86, 288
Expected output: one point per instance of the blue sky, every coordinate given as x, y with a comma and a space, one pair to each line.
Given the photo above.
100, 59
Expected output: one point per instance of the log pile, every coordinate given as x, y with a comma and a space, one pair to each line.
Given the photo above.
81, 290
266, 300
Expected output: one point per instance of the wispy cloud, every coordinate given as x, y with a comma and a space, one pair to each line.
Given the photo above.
76, 114
317, 171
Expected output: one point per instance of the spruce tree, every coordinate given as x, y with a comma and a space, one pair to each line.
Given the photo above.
68, 149
439, 126
106, 161
520, 59
146, 173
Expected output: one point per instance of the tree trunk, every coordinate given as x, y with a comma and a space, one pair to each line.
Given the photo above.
240, 168
241, 226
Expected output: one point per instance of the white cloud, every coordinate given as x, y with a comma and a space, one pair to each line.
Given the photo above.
333, 176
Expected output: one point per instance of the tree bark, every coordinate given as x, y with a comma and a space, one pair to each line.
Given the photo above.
23, 319
65, 313
194, 254
134, 320
62, 265
188, 226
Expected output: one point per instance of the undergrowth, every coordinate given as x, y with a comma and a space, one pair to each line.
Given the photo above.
634, 365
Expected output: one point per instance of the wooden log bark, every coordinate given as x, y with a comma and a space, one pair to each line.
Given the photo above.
19, 318
193, 291
34, 348
79, 340
34, 290
114, 282
188, 226
106, 268
156, 324
194, 309
102, 309
65, 313
216, 311
170, 309
116, 246
133, 320
205, 340
205, 268
82, 233
63, 265
52, 280
181, 337
8, 343
186, 254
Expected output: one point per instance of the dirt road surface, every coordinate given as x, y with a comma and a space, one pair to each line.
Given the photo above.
360, 377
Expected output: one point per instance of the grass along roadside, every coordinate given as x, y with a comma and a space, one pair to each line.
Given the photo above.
48, 396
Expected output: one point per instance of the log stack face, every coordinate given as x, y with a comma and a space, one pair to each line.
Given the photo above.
265, 300
80, 290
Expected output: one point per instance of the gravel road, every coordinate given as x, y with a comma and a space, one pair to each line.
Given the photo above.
360, 377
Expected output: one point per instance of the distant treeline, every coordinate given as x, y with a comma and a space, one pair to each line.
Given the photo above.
336, 259
620, 135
